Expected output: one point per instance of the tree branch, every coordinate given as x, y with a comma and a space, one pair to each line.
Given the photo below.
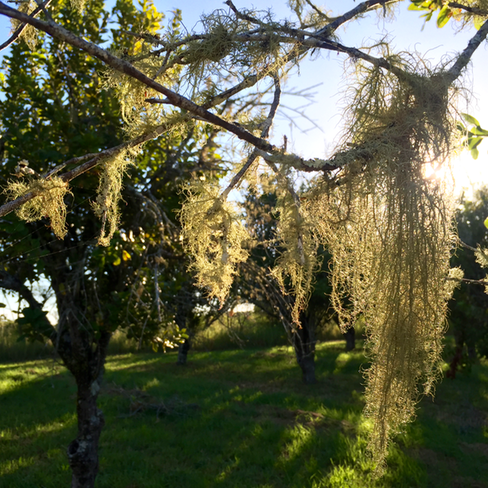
125, 67
463, 59
471, 10
266, 125
329, 29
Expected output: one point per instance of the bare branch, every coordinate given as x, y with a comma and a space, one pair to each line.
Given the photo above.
44, 10
266, 125
468, 281
466, 246
360, 9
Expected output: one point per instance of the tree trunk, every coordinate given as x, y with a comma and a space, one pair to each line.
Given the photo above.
350, 336
183, 352
304, 344
85, 359
83, 451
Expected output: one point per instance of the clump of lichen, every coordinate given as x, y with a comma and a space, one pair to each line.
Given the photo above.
295, 267
48, 202
78, 5
138, 115
29, 33
214, 235
106, 206
220, 50
390, 232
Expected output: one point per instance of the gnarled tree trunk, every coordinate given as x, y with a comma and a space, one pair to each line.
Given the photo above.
86, 363
83, 451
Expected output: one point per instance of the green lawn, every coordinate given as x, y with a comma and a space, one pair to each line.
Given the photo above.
237, 419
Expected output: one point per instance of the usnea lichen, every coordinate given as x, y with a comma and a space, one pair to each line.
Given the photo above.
390, 232
214, 235
29, 33
295, 267
106, 206
49, 201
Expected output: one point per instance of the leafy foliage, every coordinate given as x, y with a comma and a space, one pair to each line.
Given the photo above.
473, 136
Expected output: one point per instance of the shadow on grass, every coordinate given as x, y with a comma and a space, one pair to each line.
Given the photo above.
256, 425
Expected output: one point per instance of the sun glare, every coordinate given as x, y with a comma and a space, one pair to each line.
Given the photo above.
462, 174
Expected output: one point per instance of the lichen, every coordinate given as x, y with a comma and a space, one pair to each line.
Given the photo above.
49, 201
215, 237
106, 206
390, 232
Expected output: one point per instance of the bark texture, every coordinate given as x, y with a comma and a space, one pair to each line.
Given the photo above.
83, 451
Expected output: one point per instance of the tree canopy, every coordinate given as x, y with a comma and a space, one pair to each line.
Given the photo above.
388, 226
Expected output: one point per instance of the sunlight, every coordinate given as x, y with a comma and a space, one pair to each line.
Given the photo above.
463, 173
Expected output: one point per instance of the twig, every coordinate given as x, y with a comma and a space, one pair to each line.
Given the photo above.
468, 281
44, 10
243, 16
467, 246
329, 29
266, 125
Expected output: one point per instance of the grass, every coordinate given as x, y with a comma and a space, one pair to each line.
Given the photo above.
237, 418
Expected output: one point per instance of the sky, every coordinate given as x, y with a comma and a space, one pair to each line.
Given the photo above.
325, 73
406, 32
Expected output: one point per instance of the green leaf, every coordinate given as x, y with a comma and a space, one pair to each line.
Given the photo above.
486, 222
427, 16
474, 142
470, 119
416, 7
475, 153
444, 16
479, 131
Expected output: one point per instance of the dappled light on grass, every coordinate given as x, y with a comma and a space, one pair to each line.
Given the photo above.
240, 419
351, 359
128, 361
11, 466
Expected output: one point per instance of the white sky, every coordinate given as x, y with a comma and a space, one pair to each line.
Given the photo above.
404, 33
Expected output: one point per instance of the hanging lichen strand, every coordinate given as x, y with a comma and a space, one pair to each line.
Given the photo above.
389, 230
298, 261
49, 202
214, 236
106, 206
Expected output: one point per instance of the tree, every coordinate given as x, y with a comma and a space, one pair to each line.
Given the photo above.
257, 286
388, 228
470, 302
53, 95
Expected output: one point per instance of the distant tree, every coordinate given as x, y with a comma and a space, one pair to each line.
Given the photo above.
257, 285
469, 306
387, 226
